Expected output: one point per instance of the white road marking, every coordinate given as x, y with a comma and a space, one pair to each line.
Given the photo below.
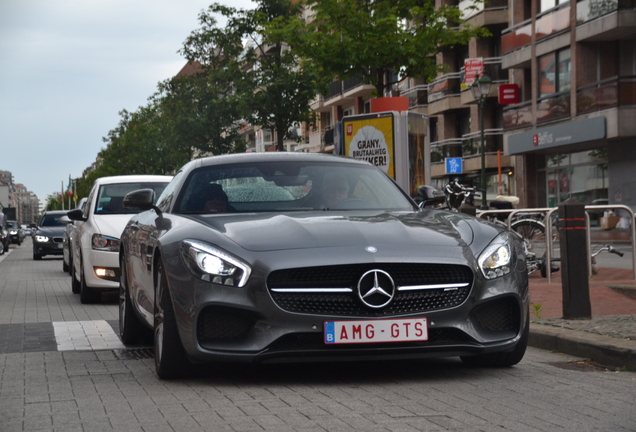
85, 335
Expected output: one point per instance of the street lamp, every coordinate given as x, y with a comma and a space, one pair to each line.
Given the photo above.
481, 89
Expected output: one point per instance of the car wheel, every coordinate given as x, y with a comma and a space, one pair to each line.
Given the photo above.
76, 286
87, 295
130, 328
64, 266
1, 248
502, 359
170, 357
37, 256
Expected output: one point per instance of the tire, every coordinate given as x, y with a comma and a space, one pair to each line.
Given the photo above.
170, 357
76, 285
64, 266
130, 328
533, 233
87, 295
502, 359
36, 257
2, 249
70, 264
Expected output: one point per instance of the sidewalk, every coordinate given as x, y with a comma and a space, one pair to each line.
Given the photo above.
608, 338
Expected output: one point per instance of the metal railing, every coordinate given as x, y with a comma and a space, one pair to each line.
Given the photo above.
547, 222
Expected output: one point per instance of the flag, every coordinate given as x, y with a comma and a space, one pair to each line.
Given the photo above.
69, 188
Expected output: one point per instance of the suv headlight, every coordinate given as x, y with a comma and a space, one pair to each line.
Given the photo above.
105, 243
41, 239
213, 265
496, 259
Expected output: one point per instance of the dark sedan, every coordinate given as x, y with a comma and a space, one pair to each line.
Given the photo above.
48, 235
303, 257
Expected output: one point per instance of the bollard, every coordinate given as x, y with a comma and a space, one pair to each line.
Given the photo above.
574, 280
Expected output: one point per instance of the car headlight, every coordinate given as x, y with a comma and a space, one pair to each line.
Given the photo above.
41, 239
213, 265
105, 243
496, 259
13, 232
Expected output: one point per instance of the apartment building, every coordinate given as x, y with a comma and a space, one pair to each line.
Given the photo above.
574, 132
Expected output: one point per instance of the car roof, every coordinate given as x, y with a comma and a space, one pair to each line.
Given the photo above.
133, 178
271, 157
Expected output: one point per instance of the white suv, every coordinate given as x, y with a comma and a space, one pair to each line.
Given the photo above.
95, 246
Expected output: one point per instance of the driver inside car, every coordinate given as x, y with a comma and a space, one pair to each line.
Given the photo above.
335, 188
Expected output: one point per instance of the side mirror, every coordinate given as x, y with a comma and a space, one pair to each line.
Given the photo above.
142, 199
430, 196
76, 215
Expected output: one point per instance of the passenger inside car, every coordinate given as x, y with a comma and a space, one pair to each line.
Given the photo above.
215, 199
335, 188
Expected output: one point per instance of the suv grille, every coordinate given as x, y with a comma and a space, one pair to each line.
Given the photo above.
307, 284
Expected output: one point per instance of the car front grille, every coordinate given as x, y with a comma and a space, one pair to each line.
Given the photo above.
499, 315
308, 289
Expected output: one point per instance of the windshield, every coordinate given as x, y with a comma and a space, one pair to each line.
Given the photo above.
52, 220
111, 196
13, 224
289, 186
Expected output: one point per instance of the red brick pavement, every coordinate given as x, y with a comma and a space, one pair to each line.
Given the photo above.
603, 299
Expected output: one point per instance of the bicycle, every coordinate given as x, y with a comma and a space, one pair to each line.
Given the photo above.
529, 226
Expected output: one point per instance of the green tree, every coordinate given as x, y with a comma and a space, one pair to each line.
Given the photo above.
267, 78
378, 41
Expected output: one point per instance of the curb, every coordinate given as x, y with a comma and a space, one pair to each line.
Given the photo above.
628, 290
604, 350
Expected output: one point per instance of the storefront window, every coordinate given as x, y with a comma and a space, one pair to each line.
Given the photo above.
581, 176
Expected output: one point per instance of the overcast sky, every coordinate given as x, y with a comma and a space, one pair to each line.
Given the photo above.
68, 67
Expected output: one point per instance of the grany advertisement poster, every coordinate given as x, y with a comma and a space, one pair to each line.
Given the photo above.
371, 138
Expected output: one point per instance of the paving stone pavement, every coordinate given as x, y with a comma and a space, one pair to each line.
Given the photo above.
45, 388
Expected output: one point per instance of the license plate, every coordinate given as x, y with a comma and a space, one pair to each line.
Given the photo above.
375, 331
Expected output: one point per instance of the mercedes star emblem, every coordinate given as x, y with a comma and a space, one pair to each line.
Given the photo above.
376, 288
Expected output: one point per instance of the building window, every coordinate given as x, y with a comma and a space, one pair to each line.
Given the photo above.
549, 4
554, 72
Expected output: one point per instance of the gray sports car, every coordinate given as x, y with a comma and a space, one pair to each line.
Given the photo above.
271, 257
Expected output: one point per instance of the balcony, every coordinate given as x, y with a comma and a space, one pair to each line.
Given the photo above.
417, 95
554, 107
484, 13
342, 92
444, 93
517, 116
492, 68
468, 147
552, 21
516, 37
599, 20
610, 93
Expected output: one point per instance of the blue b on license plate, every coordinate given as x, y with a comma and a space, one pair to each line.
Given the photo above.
370, 331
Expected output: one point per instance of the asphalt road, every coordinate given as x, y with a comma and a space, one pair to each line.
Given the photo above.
61, 369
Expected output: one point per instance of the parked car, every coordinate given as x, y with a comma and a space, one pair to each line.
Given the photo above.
69, 234
48, 233
95, 246
289, 272
5, 239
16, 233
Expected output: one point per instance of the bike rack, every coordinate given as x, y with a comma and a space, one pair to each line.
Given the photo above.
547, 221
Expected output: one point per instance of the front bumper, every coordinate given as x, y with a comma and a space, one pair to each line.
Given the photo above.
48, 248
219, 323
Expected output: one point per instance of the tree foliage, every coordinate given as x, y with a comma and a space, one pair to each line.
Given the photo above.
378, 41
267, 76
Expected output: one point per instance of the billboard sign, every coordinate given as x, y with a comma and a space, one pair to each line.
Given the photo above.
371, 138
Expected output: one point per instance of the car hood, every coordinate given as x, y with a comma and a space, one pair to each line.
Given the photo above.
296, 231
112, 224
56, 231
